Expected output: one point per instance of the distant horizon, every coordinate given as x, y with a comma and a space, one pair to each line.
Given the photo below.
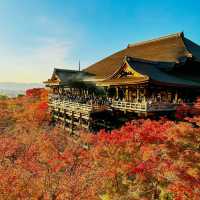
13, 82
12, 89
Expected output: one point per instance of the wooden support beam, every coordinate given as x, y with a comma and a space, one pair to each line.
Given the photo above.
72, 122
176, 96
137, 94
126, 94
145, 94
117, 92
64, 119
80, 119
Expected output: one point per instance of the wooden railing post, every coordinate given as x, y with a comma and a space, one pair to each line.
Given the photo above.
146, 106
64, 121
72, 122
80, 119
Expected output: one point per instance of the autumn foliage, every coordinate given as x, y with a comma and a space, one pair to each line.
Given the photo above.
143, 160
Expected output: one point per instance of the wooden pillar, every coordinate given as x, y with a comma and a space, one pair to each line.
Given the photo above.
176, 97
145, 94
85, 91
126, 94
107, 91
64, 121
80, 120
138, 94
55, 90
117, 93
58, 114
72, 122
130, 94
59, 90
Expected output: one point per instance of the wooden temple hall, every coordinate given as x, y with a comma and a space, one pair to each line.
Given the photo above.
147, 78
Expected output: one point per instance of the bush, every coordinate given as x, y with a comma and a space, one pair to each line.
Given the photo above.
3, 97
144, 159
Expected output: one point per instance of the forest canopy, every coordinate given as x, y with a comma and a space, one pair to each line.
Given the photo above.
143, 160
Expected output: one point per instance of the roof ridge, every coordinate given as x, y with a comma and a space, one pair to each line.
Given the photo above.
127, 58
178, 34
189, 52
65, 69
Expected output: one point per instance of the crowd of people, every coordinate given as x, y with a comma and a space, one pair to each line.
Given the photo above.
103, 100
89, 99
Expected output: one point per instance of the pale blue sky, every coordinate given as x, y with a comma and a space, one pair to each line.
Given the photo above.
36, 35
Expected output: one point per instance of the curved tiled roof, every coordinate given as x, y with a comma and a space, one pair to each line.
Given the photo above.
66, 76
173, 48
159, 76
150, 71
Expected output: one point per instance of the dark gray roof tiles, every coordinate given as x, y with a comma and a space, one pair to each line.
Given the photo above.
156, 73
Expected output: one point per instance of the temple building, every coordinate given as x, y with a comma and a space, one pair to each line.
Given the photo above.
145, 78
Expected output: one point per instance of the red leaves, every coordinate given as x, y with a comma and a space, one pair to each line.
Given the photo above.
139, 158
154, 132
35, 92
145, 166
8, 146
29, 160
182, 111
41, 114
60, 160
139, 168
145, 132
43, 106
115, 137
183, 191
185, 111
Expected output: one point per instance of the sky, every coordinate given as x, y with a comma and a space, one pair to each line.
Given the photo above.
38, 35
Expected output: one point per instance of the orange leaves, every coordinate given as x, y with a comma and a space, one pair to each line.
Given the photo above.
115, 137
60, 161
193, 172
141, 131
141, 158
183, 191
8, 146
153, 131
29, 160
35, 92
185, 111
43, 106
140, 168
147, 152
41, 114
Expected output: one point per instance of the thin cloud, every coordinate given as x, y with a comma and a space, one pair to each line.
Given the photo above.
34, 64
34, 61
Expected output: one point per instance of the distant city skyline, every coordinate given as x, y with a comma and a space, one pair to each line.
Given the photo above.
37, 36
